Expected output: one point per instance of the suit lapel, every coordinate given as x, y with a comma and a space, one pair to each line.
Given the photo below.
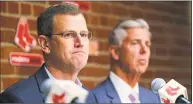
111, 92
143, 96
41, 76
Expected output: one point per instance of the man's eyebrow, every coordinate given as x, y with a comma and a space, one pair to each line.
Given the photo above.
139, 40
135, 40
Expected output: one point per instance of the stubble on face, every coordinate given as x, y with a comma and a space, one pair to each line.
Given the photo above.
71, 57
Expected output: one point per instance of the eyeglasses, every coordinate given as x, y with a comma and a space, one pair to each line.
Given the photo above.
74, 34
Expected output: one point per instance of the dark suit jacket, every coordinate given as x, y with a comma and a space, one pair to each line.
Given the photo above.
26, 91
106, 93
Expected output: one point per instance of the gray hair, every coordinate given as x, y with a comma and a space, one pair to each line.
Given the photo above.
119, 33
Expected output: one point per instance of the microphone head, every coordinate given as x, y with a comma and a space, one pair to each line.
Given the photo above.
46, 86
156, 84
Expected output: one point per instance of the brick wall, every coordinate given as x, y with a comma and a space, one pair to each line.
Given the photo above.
169, 24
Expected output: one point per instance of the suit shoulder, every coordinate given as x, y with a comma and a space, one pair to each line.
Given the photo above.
14, 93
97, 94
149, 93
99, 89
21, 86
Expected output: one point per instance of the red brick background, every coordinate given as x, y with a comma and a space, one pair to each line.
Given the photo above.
170, 24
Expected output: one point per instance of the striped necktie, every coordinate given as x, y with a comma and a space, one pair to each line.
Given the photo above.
133, 96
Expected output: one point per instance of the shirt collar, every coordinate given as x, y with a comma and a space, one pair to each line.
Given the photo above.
77, 81
120, 84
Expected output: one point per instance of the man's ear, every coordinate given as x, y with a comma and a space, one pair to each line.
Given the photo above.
44, 44
114, 51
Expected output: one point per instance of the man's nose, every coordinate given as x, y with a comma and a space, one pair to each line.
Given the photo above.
143, 49
78, 42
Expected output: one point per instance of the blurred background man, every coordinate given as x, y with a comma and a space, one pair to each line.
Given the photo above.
130, 44
64, 39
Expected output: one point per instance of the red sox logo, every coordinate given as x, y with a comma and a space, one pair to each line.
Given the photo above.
58, 98
22, 38
166, 101
171, 92
25, 41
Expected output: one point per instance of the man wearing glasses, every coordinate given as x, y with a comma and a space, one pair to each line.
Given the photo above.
64, 39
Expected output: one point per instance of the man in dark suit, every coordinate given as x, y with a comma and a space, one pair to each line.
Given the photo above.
129, 49
64, 39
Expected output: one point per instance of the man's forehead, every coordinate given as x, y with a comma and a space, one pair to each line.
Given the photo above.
63, 22
132, 29
138, 31
62, 19
59, 16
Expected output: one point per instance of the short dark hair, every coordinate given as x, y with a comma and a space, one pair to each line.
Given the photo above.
45, 19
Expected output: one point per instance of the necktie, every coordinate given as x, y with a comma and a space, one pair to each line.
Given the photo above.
134, 97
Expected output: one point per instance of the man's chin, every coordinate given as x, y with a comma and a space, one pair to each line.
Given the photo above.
141, 70
79, 63
79, 66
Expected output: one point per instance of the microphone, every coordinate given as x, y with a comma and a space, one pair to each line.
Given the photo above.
172, 92
63, 91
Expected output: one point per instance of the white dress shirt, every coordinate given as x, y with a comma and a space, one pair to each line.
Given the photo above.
77, 81
122, 88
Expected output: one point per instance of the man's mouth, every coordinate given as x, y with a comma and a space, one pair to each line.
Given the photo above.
78, 52
142, 61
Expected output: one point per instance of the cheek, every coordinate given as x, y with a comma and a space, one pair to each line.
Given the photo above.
86, 46
132, 58
149, 53
131, 55
66, 49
